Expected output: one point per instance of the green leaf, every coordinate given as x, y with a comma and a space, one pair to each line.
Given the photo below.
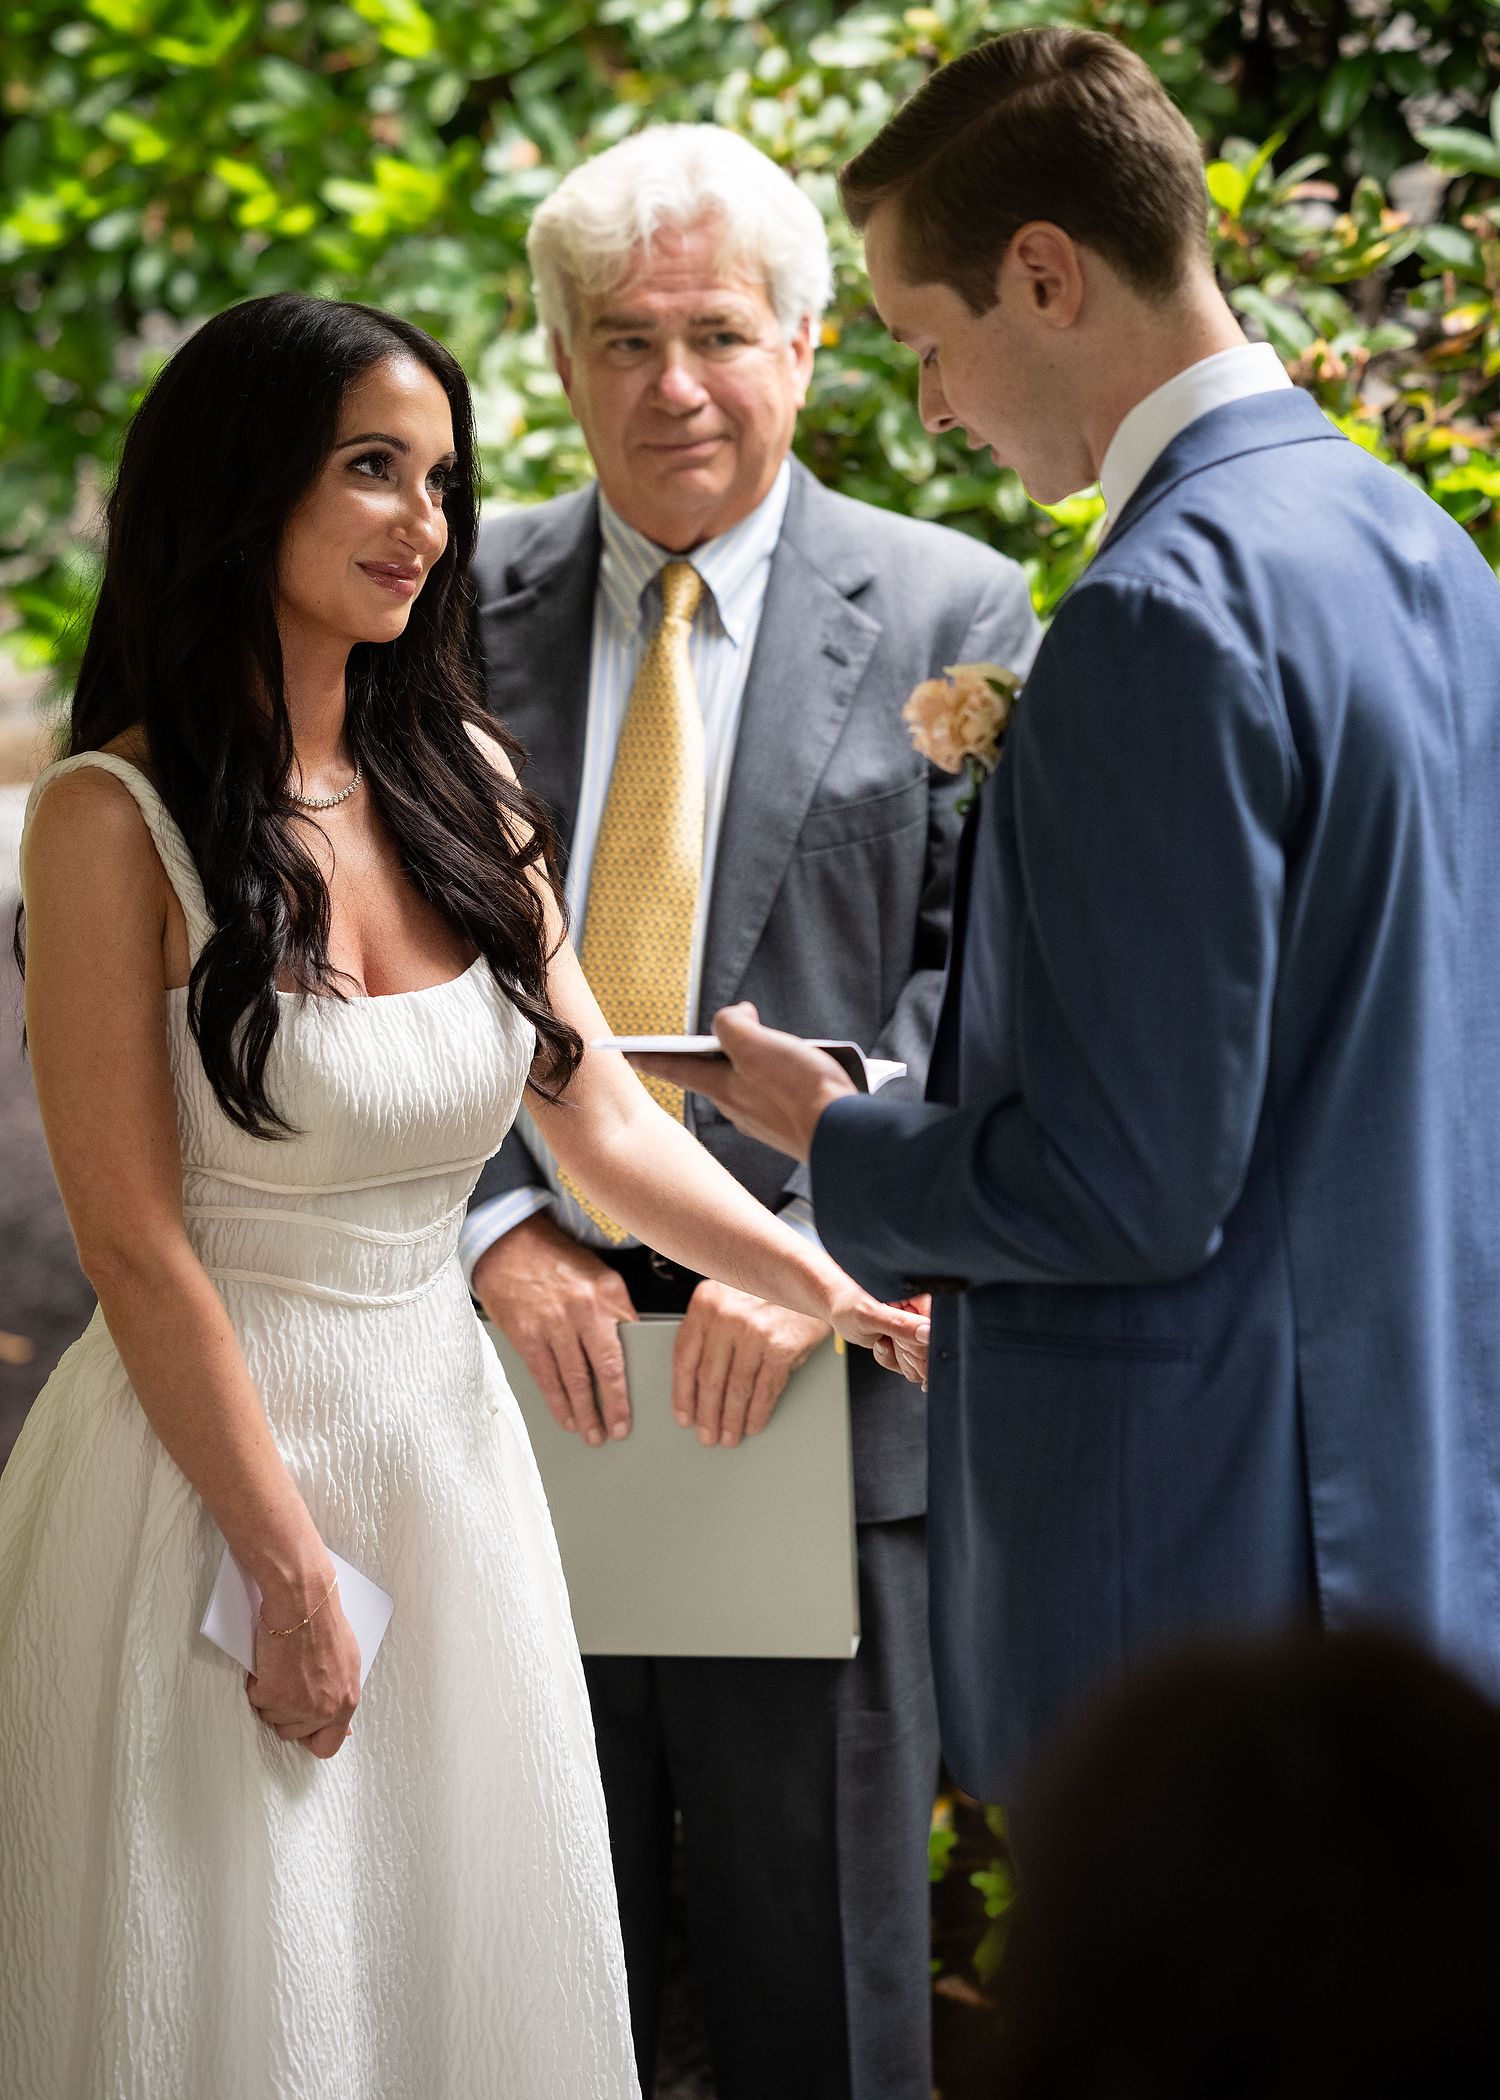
1389, 336
1407, 72
1228, 185
217, 41
142, 141
1451, 248
1284, 328
129, 17
940, 1844
402, 26
990, 1952
1345, 93
241, 176
1263, 159
904, 442
1461, 152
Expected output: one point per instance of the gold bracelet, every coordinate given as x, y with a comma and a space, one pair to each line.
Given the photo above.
279, 1633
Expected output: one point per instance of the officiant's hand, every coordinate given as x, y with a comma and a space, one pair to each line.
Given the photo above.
733, 1357
561, 1307
774, 1087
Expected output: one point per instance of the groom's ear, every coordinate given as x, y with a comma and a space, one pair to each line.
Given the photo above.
1043, 265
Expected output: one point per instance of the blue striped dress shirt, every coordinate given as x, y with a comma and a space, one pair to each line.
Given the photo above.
736, 568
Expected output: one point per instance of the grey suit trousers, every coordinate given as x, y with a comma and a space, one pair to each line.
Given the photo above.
804, 1790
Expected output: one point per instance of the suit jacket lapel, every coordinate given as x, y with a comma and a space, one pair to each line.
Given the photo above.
536, 631
810, 654
942, 1066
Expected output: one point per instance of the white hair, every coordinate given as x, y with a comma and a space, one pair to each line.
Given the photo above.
585, 235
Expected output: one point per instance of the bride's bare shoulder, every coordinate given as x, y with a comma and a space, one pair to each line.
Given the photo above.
87, 832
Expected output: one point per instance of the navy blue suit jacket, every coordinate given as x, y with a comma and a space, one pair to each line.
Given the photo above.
1210, 1158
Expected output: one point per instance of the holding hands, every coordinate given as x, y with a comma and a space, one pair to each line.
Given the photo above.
561, 1307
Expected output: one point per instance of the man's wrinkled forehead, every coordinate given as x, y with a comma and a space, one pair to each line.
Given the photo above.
686, 275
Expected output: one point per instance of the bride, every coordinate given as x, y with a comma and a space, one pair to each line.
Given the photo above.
292, 957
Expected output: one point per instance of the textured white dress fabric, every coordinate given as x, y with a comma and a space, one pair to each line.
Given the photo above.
189, 1908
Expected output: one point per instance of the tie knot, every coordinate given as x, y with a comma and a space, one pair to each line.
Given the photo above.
681, 590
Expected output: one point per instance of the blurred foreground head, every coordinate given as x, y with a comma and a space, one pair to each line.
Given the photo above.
1268, 1871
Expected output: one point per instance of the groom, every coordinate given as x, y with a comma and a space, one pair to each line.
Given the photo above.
1207, 1181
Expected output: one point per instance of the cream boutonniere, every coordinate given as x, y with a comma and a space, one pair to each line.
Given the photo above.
958, 720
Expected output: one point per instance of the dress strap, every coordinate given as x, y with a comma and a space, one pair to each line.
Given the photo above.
165, 835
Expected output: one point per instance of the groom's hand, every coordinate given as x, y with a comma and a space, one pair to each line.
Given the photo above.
774, 1086
561, 1307
733, 1357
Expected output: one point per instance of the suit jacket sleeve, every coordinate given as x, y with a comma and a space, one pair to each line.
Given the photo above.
1003, 630
1151, 781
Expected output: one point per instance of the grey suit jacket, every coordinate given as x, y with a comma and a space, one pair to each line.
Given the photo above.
832, 888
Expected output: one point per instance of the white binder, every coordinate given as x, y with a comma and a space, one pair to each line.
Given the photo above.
671, 1549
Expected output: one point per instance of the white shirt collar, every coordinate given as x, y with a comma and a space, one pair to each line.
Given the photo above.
1148, 429
734, 566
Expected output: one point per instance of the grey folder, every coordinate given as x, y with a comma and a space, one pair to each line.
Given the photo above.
673, 1550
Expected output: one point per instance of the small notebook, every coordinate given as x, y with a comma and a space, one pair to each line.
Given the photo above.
229, 1621
868, 1073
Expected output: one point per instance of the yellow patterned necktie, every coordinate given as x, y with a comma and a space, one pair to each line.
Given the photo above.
642, 903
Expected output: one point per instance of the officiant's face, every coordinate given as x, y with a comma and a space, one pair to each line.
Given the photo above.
1002, 377
686, 389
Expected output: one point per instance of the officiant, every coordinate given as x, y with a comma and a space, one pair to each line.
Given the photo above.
705, 653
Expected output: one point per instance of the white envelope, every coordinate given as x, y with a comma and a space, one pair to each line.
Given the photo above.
229, 1621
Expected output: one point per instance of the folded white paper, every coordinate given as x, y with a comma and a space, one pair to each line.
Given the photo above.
229, 1621
868, 1073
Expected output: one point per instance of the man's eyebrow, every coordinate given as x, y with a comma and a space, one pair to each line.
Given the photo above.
638, 324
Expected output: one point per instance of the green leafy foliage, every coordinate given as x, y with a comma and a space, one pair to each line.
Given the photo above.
160, 159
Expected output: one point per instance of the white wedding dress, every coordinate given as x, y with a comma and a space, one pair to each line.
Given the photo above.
189, 1908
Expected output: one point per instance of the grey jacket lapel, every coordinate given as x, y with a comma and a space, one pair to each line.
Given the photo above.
536, 574
810, 654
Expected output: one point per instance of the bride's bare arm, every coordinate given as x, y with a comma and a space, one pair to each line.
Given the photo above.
646, 1171
97, 911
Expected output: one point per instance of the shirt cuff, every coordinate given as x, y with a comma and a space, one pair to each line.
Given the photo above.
488, 1222
797, 1212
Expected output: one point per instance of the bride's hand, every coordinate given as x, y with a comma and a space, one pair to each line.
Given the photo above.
897, 1333
899, 1355
306, 1684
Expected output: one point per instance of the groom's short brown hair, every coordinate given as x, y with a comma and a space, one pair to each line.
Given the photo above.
1065, 125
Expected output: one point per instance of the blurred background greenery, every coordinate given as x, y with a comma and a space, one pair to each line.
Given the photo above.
162, 158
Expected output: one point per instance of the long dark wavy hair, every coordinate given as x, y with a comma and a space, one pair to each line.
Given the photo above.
184, 642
